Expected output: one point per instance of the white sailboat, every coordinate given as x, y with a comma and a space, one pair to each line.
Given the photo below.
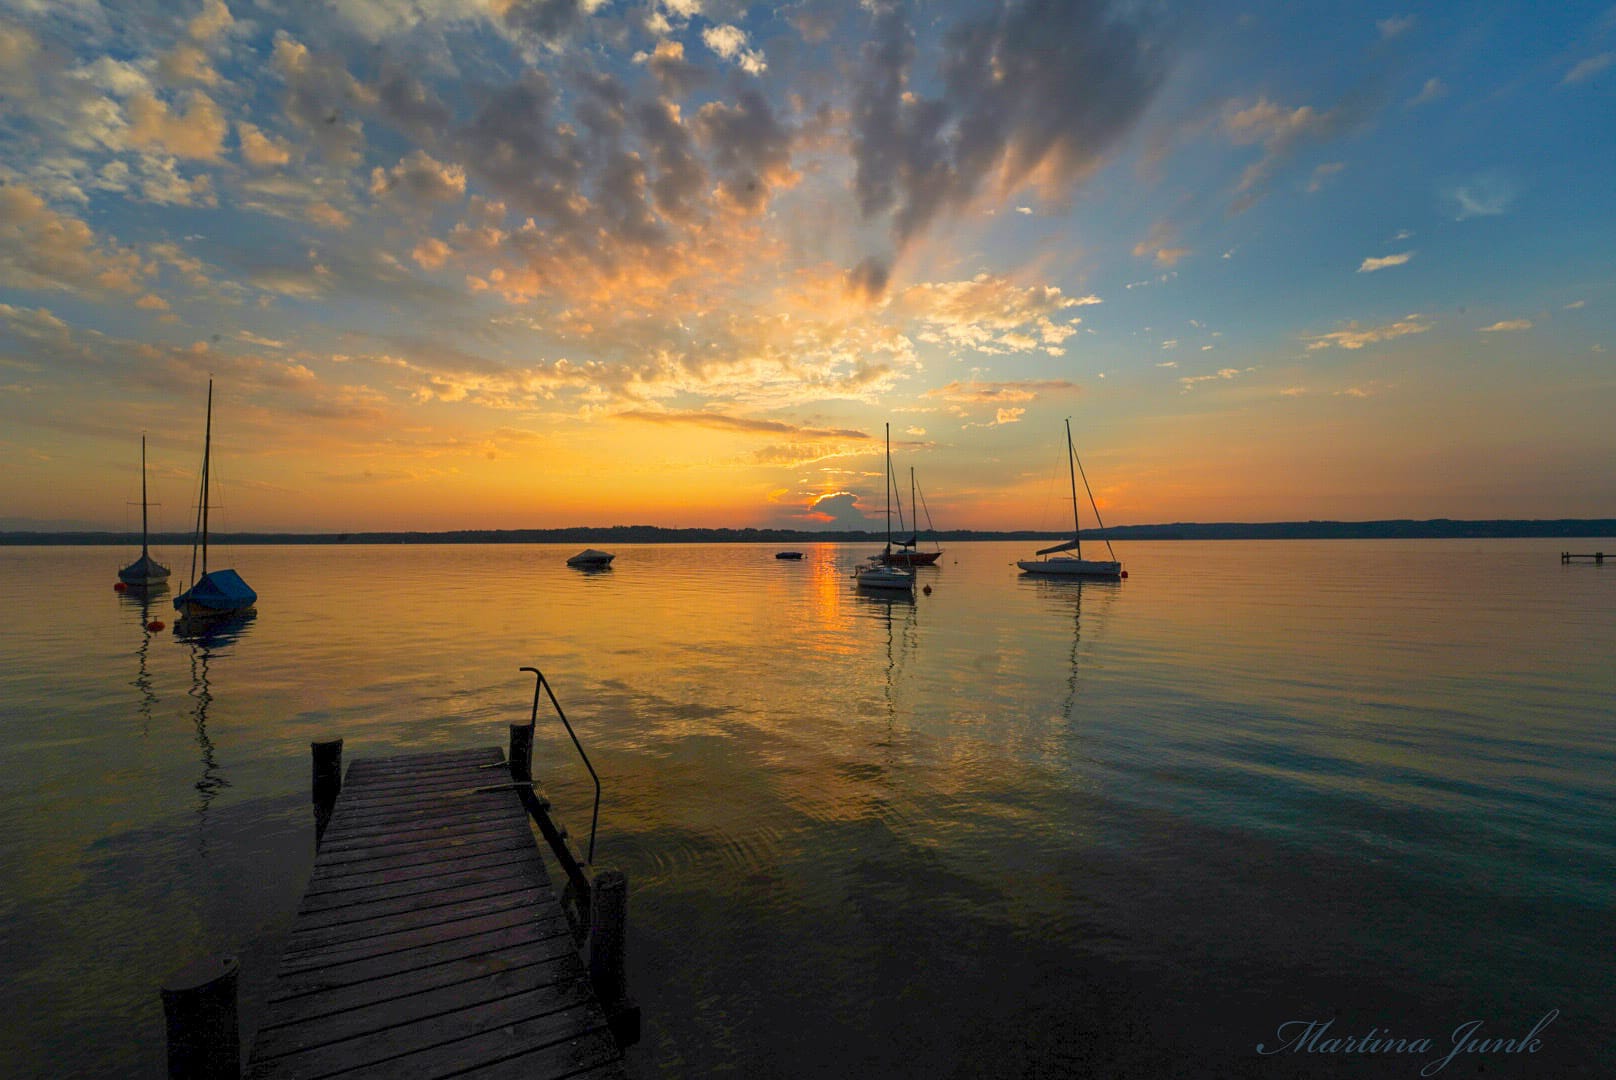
220, 592
1074, 565
891, 578
145, 572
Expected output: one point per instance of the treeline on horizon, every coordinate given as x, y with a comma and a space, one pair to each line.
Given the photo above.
1434, 529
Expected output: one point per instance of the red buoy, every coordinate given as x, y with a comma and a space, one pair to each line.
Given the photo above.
155, 625
926, 589
120, 587
1125, 573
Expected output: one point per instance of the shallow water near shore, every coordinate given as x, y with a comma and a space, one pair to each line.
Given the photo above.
1011, 828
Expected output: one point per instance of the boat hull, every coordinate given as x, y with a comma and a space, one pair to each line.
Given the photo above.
890, 580
590, 559
912, 558
144, 573
1068, 567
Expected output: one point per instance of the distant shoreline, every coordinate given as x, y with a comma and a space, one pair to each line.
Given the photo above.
1435, 529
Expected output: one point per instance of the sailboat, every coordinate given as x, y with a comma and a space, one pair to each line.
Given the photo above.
910, 554
219, 592
145, 572
1074, 565
880, 576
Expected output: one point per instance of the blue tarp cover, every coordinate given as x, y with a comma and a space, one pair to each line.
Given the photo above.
221, 590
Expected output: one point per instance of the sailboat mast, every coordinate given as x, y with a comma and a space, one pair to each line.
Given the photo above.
143, 494
207, 447
889, 487
1071, 470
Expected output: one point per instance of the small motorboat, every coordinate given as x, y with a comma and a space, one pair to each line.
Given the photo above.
788, 554
590, 559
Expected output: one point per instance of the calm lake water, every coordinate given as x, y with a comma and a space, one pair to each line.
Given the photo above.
1011, 829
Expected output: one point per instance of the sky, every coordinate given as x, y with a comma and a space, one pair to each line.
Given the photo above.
502, 264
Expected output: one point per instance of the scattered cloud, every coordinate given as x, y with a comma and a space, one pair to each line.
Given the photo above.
730, 43
1575, 304
1369, 266
1506, 325
1357, 337
1280, 131
1189, 382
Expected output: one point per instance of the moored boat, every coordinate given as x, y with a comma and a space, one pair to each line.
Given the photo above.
1074, 565
590, 559
218, 592
145, 572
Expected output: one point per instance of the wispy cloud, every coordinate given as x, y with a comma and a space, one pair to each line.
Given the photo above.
1433, 90
1281, 131
1396, 26
1506, 325
1588, 68
1486, 195
1189, 382
1369, 266
1355, 336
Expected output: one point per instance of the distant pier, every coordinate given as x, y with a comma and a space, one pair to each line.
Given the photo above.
430, 941
1568, 556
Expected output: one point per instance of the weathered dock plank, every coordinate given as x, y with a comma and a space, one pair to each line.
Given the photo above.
430, 941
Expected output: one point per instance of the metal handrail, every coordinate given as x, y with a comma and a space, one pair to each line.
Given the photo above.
539, 682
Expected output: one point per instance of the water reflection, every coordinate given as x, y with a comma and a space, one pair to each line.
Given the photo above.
208, 640
140, 601
1060, 594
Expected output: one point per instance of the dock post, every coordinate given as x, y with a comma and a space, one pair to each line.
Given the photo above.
521, 754
608, 929
327, 783
204, 1034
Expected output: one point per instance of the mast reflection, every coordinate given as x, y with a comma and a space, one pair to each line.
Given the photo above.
140, 602
208, 640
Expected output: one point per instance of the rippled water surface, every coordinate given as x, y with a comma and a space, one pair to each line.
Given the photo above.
1011, 828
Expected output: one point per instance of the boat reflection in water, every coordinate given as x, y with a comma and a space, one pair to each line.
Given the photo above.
1061, 591
210, 640
139, 600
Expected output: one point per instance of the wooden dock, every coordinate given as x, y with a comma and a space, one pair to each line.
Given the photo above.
1570, 556
430, 941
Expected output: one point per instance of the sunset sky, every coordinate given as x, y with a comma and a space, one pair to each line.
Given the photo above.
540, 263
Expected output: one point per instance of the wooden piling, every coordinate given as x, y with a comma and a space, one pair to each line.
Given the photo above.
608, 931
199, 1010
327, 758
521, 752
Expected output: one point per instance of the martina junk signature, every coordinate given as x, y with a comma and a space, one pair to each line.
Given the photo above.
1315, 1037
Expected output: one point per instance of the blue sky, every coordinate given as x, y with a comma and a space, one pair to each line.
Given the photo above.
506, 263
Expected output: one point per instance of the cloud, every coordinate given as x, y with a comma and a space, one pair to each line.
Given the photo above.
1322, 173
1189, 382
999, 393
419, 178
730, 43
197, 133
1588, 68
839, 510
1083, 76
1369, 266
261, 151
1485, 195
1433, 90
1396, 26
43, 249
991, 315
1281, 132
722, 422
1506, 326
1357, 337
